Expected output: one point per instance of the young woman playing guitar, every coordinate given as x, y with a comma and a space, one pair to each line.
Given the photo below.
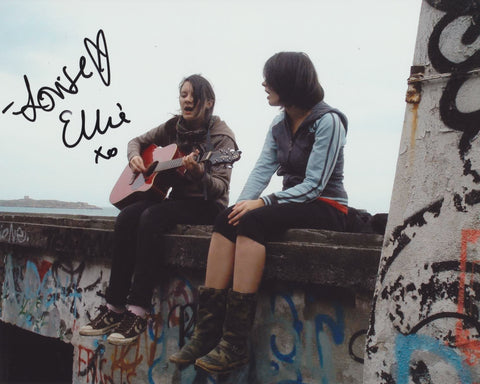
196, 198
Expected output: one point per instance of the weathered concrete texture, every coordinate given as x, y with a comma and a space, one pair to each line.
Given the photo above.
311, 318
333, 258
424, 326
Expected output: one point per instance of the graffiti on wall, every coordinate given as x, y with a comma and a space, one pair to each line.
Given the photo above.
297, 338
288, 346
169, 324
435, 310
449, 298
13, 234
39, 294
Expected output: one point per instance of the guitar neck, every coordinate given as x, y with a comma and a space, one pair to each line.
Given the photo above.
176, 163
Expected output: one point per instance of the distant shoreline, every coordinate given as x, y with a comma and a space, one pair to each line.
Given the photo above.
27, 202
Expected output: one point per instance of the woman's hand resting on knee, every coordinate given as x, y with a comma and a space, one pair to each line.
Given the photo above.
243, 207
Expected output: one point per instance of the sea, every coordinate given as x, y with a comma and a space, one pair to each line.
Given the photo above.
103, 211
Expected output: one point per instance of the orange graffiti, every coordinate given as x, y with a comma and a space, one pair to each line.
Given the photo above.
464, 341
121, 363
91, 365
125, 363
83, 364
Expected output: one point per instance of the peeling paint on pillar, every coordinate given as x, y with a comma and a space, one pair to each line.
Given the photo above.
424, 324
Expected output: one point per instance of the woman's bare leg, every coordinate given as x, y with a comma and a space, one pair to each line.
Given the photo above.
221, 256
249, 262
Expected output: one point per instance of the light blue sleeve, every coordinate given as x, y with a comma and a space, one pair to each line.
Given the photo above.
329, 139
263, 170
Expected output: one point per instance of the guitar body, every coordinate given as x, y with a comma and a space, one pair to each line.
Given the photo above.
131, 186
163, 164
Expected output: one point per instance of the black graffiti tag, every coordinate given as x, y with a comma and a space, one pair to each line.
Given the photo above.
466, 122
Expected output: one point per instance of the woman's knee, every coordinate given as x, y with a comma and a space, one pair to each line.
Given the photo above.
223, 227
252, 226
222, 217
128, 217
155, 217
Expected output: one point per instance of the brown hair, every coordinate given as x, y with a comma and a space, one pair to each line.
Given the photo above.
202, 92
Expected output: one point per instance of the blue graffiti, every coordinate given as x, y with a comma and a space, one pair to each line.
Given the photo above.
297, 326
405, 346
317, 339
35, 297
188, 374
298, 381
337, 328
31, 295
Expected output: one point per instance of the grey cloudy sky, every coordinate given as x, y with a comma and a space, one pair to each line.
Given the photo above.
362, 50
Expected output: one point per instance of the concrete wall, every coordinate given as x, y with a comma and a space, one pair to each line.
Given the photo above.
424, 326
311, 319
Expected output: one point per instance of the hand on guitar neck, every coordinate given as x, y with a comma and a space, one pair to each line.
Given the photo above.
189, 162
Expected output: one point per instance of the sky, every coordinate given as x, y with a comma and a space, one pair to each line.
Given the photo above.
65, 124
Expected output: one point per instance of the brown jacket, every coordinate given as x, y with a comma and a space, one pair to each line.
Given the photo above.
215, 183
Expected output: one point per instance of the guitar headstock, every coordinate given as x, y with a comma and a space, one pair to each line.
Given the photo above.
223, 156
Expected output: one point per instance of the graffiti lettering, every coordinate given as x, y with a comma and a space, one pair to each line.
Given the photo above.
93, 362
13, 234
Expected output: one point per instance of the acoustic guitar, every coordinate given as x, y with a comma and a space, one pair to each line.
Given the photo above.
162, 164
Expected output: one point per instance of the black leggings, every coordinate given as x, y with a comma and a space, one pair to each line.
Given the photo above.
137, 244
263, 223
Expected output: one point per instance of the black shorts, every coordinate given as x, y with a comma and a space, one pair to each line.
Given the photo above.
263, 223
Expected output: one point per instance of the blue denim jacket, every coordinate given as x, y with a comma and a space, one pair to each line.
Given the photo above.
311, 161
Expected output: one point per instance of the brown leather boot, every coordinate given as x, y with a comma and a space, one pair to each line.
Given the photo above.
208, 328
232, 350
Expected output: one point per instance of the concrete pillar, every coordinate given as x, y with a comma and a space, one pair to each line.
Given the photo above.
424, 325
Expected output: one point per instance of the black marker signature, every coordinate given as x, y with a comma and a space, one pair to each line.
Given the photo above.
83, 132
101, 53
112, 152
45, 96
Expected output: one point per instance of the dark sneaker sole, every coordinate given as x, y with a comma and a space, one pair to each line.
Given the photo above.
97, 332
126, 341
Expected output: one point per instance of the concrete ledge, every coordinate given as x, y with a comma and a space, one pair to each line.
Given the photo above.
335, 259
312, 312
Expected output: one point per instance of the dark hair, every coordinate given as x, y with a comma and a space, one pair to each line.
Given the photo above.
202, 91
293, 76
